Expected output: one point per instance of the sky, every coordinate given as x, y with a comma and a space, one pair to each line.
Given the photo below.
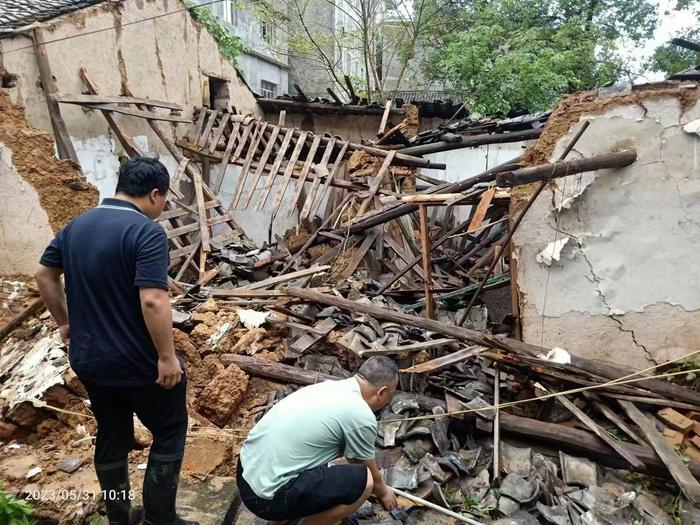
671, 23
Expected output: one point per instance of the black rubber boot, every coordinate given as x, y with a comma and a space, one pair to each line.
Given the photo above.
117, 495
159, 492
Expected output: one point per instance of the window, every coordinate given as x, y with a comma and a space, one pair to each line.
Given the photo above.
268, 89
267, 31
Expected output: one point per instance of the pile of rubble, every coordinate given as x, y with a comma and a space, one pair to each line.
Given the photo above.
484, 426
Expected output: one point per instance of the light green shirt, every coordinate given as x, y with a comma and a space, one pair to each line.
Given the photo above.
311, 427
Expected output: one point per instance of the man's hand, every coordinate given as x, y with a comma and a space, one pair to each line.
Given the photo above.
64, 331
386, 497
169, 372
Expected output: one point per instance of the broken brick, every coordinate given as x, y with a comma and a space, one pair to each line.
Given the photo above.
675, 420
673, 437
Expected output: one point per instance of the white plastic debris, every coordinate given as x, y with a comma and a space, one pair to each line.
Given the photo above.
692, 127
14, 446
33, 472
218, 333
557, 355
141, 466
552, 251
252, 318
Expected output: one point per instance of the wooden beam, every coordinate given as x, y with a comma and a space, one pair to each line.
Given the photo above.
580, 441
385, 118
601, 433
34, 307
439, 363
276, 371
603, 369
547, 172
284, 278
112, 99
678, 469
425, 253
64, 145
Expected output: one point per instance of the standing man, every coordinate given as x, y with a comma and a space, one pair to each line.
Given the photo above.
283, 471
116, 313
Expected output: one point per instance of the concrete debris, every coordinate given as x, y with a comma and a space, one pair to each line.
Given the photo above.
552, 252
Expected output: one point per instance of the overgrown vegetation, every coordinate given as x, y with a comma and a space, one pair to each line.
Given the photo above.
14, 511
513, 56
230, 45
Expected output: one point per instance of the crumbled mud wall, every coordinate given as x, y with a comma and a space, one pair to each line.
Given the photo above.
616, 279
40, 193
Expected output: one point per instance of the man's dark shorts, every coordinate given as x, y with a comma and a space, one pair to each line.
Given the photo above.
311, 492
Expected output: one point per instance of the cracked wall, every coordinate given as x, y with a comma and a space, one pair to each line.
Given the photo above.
626, 286
166, 58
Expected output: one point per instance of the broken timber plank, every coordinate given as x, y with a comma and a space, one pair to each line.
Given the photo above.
288, 173
227, 156
202, 212
273, 171
259, 131
385, 118
107, 99
678, 469
595, 428
443, 362
481, 210
425, 253
305, 172
567, 438
284, 278
329, 179
219, 132
64, 144
261, 164
130, 147
360, 253
323, 171
276, 371
614, 418
377, 181
115, 108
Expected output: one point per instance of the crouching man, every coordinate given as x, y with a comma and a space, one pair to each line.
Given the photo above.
283, 471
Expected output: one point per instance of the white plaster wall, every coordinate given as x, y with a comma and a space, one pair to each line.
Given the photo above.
167, 58
627, 286
255, 223
464, 163
24, 225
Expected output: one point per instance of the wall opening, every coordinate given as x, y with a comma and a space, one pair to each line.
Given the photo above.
219, 95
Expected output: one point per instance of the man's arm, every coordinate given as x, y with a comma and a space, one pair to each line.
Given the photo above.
48, 280
383, 492
158, 316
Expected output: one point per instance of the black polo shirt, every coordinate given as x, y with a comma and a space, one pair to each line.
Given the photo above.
107, 254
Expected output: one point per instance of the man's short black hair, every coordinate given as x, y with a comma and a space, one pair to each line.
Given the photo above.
379, 370
140, 176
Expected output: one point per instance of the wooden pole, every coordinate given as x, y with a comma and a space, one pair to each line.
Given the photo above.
64, 145
427, 271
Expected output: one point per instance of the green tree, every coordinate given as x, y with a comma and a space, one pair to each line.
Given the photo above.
511, 55
671, 59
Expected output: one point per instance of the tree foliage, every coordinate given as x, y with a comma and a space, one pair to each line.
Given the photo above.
510, 55
671, 59
229, 44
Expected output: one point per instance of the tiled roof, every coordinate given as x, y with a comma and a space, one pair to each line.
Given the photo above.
18, 13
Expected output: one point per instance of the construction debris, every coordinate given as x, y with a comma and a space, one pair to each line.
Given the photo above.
383, 262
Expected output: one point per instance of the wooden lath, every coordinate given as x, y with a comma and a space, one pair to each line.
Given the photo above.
189, 226
271, 155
